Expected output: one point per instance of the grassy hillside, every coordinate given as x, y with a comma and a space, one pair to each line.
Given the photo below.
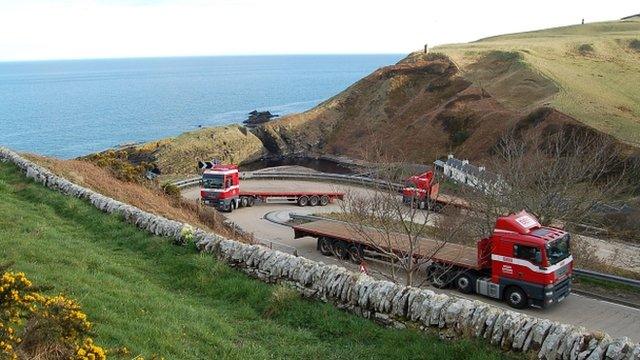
422, 108
153, 297
144, 195
176, 157
594, 70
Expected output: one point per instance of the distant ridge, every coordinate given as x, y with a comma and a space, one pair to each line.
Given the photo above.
629, 17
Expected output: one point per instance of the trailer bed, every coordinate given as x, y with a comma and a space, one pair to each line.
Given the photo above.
265, 194
455, 254
452, 200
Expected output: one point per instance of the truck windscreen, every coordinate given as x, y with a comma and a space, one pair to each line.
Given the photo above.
212, 181
558, 250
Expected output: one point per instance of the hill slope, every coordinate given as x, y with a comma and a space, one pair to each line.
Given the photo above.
417, 110
461, 97
156, 298
595, 68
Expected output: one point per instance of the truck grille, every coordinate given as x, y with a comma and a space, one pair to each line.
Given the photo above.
562, 289
210, 195
562, 272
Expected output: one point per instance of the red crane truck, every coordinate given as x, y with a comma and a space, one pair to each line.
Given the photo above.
220, 187
424, 192
522, 262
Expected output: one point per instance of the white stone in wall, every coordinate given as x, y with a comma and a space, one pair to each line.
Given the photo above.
618, 349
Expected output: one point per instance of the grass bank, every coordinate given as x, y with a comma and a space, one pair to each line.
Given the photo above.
156, 298
593, 66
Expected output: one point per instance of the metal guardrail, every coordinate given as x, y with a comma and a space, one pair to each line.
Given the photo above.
186, 183
361, 180
607, 277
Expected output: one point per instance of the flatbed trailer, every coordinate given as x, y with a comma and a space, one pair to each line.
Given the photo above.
302, 198
454, 254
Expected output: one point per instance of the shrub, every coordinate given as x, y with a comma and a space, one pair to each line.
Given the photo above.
282, 297
171, 190
585, 49
186, 235
120, 163
34, 325
635, 44
437, 56
507, 56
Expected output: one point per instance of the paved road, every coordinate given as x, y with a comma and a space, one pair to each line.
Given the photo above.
617, 320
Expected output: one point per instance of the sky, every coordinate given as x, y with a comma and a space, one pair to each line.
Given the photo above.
79, 29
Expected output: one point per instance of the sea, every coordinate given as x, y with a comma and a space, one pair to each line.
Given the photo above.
75, 107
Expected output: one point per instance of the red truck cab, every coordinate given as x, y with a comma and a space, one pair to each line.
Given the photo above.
528, 264
221, 187
421, 190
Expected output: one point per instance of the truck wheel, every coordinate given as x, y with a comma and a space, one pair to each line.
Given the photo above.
324, 200
464, 284
325, 246
438, 207
313, 201
340, 249
252, 201
244, 201
515, 297
355, 254
303, 201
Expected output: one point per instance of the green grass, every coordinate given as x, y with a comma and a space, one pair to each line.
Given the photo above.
154, 297
607, 285
598, 87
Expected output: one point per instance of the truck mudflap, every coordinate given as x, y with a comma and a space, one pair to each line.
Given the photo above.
297, 234
540, 296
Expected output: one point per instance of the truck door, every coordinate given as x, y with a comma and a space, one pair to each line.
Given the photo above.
528, 260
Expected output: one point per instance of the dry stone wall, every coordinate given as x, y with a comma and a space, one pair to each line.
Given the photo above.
382, 301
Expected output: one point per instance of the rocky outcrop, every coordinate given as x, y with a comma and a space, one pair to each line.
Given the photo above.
384, 302
258, 117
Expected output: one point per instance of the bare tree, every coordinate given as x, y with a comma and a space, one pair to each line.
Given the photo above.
565, 177
404, 235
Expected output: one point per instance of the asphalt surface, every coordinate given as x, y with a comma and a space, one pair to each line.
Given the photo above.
617, 320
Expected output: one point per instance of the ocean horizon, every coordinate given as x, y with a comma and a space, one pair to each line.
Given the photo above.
69, 108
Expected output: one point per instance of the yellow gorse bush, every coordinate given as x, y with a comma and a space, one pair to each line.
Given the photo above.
89, 351
31, 321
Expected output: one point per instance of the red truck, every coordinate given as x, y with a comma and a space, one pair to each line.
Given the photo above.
424, 192
220, 187
522, 262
